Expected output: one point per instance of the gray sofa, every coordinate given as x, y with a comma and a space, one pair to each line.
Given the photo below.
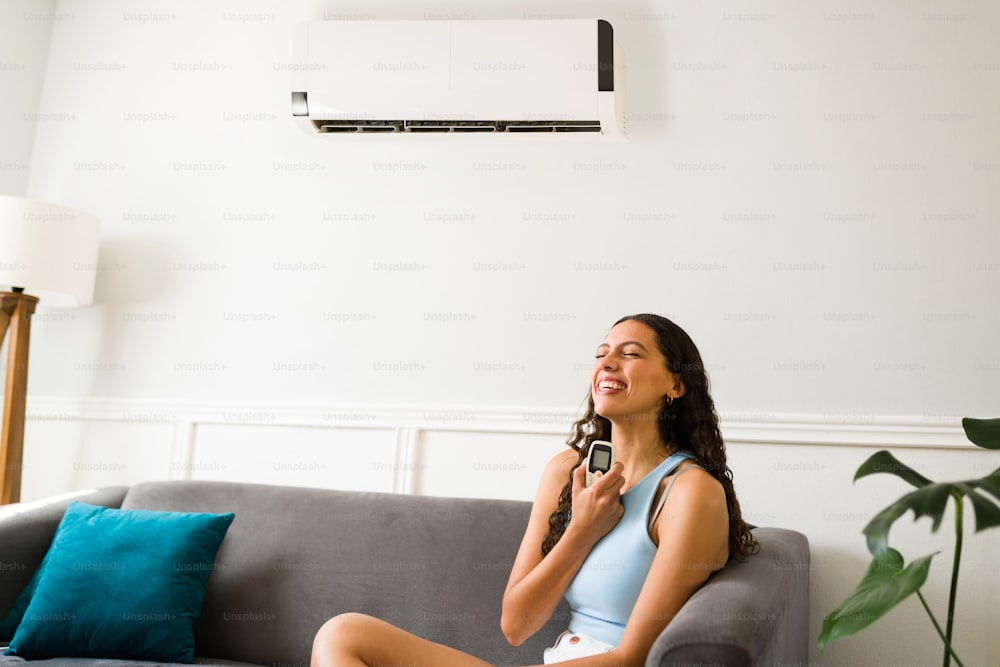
294, 557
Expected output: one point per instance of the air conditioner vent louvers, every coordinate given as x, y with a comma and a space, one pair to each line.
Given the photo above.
347, 126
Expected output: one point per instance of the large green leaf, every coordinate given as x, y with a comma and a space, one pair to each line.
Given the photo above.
990, 483
884, 461
929, 501
987, 509
982, 432
885, 584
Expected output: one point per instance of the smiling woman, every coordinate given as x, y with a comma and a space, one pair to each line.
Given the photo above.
626, 552
691, 424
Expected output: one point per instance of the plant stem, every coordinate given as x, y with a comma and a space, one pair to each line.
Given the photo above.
952, 594
947, 644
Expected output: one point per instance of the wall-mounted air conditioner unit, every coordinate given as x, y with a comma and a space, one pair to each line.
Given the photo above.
509, 76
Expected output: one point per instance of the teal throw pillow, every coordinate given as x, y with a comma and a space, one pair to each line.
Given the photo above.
123, 584
9, 624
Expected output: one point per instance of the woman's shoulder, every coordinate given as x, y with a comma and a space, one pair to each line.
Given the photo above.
696, 485
563, 462
557, 472
559, 469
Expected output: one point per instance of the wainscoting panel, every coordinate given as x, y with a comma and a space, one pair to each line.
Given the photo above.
335, 458
71, 453
485, 465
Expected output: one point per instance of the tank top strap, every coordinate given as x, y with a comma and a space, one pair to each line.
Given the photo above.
681, 456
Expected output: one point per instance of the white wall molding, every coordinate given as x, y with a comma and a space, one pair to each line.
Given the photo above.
410, 420
405, 476
182, 450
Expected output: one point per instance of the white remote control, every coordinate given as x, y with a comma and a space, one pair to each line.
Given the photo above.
600, 459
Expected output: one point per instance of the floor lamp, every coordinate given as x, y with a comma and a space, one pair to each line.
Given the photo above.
48, 254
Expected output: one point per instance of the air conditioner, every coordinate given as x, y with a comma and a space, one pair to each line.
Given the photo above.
460, 76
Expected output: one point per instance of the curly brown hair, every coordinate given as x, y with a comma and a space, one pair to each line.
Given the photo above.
688, 423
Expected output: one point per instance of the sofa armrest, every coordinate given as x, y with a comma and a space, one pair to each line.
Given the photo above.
754, 612
26, 531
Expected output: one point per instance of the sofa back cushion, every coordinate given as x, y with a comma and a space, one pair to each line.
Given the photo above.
295, 557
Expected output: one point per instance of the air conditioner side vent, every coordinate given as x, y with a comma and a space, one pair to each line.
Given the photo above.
300, 104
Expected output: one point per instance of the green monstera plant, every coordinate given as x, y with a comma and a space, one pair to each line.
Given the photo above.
888, 581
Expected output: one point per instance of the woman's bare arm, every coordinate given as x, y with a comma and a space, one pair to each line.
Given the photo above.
693, 539
536, 584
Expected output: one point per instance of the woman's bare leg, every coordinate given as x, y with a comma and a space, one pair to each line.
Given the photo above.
356, 640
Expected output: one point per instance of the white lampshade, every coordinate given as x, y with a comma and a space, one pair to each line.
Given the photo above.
50, 251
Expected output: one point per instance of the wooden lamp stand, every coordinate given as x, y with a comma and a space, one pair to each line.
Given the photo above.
16, 309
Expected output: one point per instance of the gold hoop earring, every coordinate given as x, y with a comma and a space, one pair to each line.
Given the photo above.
670, 400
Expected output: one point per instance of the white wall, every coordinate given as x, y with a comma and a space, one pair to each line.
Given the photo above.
24, 47
808, 190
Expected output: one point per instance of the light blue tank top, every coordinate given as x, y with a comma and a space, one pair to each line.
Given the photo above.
607, 586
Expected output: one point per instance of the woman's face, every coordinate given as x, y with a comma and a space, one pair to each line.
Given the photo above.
630, 376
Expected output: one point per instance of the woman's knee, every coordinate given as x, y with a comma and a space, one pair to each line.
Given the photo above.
343, 631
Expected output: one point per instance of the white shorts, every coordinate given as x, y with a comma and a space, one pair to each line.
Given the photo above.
571, 645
